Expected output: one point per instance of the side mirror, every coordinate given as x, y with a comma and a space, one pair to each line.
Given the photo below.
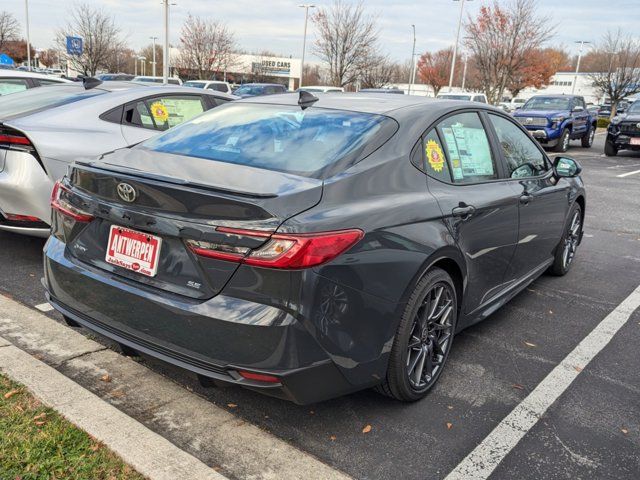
566, 167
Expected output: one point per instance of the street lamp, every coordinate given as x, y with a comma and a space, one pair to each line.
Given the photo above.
455, 45
26, 11
412, 78
154, 55
575, 78
306, 7
143, 65
165, 53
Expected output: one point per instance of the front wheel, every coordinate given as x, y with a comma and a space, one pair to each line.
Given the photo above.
587, 139
563, 143
566, 250
423, 339
610, 149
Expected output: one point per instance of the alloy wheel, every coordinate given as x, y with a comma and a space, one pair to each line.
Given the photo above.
565, 142
431, 336
571, 241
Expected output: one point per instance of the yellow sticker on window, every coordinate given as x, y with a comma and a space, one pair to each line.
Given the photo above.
435, 156
159, 112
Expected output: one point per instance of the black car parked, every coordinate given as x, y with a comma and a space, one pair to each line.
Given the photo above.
623, 132
258, 89
309, 248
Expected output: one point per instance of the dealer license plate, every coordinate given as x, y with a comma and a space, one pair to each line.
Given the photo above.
635, 141
133, 250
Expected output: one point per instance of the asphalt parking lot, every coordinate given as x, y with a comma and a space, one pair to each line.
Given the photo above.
591, 431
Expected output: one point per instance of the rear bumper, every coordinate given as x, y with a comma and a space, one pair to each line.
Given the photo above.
213, 339
25, 189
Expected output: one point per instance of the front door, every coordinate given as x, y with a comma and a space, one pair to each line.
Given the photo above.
480, 209
543, 200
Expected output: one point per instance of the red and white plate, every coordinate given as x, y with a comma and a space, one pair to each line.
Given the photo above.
133, 250
635, 140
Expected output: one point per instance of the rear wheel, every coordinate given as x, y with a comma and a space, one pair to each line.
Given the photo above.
566, 250
610, 149
587, 140
563, 142
423, 340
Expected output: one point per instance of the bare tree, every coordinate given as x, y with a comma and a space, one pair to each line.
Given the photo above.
501, 38
402, 72
375, 71
100, 35
347, 37
206, 46
618, 66
9, 28
147, 52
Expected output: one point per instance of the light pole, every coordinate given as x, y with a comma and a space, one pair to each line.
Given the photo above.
26, 11
575, 78
464, 71
455, 45
154, 55
165, 53
306, 7
143, 65
412, 78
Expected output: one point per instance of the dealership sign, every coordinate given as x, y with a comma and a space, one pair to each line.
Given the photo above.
74, 45
272, 67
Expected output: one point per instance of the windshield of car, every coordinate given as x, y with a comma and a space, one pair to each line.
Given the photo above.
548, 103
273, 137
455, 97
249, 90
634, 107
194, 84
38, 99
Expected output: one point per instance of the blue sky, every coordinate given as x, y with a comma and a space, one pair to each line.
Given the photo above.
277, 25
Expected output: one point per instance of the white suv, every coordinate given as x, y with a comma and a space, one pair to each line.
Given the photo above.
210, 85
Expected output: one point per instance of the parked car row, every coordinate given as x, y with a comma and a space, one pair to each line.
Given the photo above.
301, 245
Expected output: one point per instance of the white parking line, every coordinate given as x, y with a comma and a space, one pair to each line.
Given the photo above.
484, 459
628, 173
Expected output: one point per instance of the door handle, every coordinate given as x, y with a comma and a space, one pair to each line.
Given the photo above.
525, 198
463, 211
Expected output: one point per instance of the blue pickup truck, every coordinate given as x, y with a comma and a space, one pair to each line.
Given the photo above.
555, 120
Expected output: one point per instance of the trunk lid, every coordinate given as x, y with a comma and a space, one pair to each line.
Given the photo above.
179, 198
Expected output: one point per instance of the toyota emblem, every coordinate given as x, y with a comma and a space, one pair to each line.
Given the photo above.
529, 121
638, 125
126, 192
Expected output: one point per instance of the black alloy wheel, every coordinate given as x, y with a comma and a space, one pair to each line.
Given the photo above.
568, 246
424, 338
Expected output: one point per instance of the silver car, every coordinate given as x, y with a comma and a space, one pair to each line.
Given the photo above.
44, 129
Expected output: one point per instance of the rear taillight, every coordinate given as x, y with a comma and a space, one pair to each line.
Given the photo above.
14, 217
62, 205
286, 251
259, 377
14, 140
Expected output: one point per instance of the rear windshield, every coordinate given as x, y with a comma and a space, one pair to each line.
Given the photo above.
194, 84
274, 137
250, 90
37, 99
455, 97
547, 103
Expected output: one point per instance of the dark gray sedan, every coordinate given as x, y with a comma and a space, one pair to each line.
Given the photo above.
308, 247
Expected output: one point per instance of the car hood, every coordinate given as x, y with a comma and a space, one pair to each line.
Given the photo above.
541, 113
634, 117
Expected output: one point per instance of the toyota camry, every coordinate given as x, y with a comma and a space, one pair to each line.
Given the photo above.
311, 246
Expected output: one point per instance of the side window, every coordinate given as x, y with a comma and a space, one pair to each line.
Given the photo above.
44, 81
162, 113
218, 87
479, 98
467, 147
12, 85
522, 156
435, 163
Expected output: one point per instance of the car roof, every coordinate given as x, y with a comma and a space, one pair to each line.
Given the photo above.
26, 74
380, 103
262, 85
557, 95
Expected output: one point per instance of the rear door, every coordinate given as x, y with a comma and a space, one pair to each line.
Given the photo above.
147, 117
543, 201
581, 117
479, 207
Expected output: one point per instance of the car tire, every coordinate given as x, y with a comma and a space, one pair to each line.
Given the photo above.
587, 140
423, 339
566, 249
563, 141
610, 149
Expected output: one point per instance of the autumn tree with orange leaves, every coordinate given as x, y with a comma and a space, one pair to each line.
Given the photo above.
501, 39
538, 68
434, 68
